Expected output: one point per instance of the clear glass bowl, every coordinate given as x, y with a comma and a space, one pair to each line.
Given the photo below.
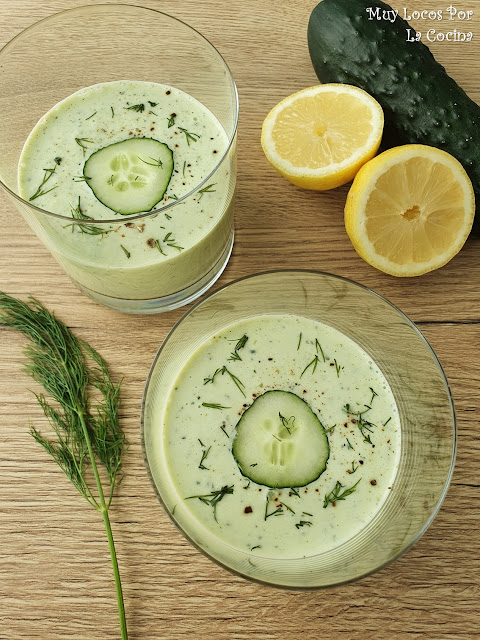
101, 43
428, 428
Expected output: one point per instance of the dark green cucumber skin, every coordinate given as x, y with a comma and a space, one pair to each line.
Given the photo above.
421, 102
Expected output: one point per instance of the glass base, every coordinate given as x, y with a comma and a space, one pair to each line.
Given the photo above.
165, 303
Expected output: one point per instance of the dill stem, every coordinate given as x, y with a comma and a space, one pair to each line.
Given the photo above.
104, 511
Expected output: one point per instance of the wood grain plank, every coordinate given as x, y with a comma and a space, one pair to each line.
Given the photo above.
55, 577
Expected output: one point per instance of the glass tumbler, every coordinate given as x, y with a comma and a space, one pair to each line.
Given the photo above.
415, 377
102, 43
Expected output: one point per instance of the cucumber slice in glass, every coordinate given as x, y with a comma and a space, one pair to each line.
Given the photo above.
280, 442
130, 176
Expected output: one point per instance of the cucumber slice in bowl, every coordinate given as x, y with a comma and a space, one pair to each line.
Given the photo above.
280, 442
130, 176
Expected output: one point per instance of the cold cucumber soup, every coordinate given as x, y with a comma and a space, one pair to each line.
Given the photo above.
121, 148
281, 437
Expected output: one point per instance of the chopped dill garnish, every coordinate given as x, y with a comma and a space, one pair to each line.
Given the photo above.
222, 427
214, 497
338, 368
295, 492
48, 173
204, 457
89, 229
93, 114
152, 104
213, 405
57, 160
241, 342
171, 120
303, 523
139, 108
238, 383
299, 341
277, 512
189, 135
126, 251
113, 112
349, 446
81, 143
353, 469
385, 423
206, 189
287, 507
184, 165
374, 394
172, 197
337, 494
313, 363
155, 163
318, 347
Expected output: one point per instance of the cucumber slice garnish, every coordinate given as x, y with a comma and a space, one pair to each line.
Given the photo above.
280, 442
130, 176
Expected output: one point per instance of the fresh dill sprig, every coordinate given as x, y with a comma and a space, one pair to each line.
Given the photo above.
214, 405
88, 229
48, 173
81, 143
295, 492
139, 108
81, 404
189, 135
81, 178
172, 197
374, 394
214, 498
337, 494
206, 189
171, 120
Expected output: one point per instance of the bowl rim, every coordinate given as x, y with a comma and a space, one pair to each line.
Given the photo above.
166, 207
410, 323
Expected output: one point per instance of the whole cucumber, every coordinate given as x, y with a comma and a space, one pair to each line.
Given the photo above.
422, 104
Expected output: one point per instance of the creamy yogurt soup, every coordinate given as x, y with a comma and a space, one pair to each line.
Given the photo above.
281, 436
148, 258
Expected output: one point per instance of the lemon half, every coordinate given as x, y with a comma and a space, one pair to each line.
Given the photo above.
319, 137
410, 210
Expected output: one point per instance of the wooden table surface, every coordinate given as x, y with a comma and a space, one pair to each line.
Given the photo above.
55, 575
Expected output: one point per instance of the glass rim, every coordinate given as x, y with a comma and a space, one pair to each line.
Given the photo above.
166, 207
447, 480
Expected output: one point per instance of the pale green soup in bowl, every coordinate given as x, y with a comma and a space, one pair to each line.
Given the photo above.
298, 429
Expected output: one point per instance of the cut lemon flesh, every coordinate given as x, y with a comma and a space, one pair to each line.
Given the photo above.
410, 210
319, 138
